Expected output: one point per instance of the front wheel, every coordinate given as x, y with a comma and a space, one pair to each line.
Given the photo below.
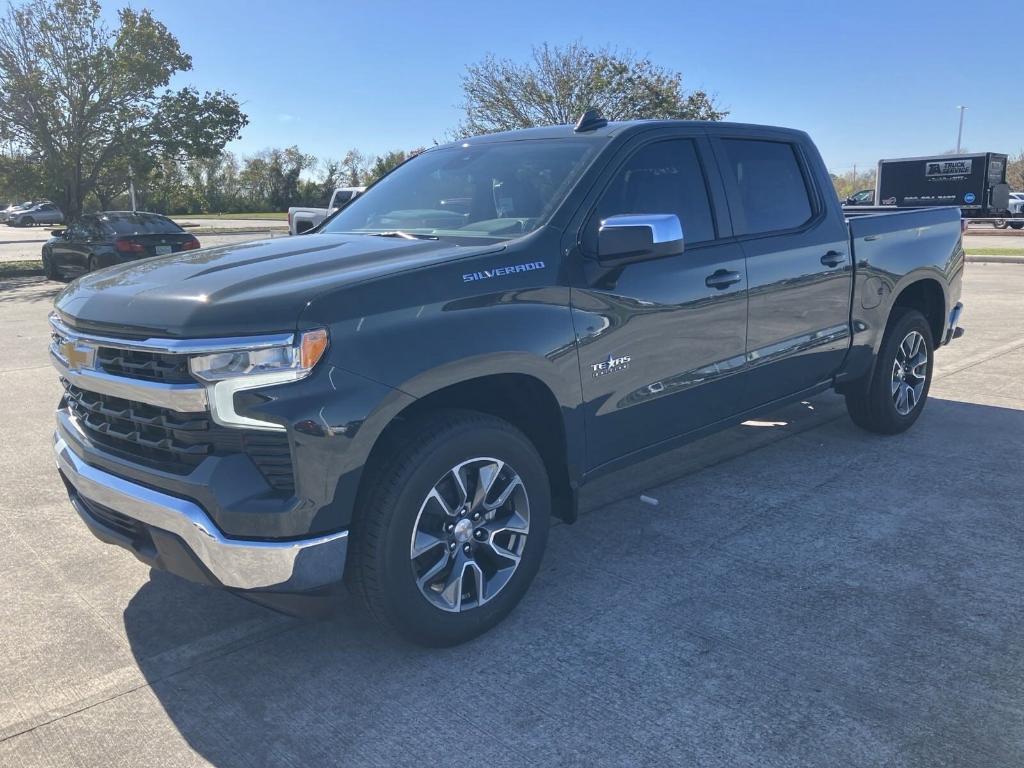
893, 398
451, 528
1000, 223
1017, 224
49, 268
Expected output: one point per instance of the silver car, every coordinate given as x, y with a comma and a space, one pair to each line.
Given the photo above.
14, 208
42, 213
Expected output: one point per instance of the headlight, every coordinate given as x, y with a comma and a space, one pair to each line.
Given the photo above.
280, 364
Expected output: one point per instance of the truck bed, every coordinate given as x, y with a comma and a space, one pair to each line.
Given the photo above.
904, 236
892, 249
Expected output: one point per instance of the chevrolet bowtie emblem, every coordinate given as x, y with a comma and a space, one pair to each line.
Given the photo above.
77, 356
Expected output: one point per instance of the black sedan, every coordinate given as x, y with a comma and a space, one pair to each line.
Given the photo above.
101, 239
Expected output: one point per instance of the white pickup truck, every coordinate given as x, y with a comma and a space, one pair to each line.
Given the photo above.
302, 220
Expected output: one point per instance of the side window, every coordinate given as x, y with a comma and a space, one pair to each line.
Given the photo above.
84, 229
771, 187
664, 177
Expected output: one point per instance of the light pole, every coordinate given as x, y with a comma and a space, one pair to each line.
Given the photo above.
960, 130
131, 186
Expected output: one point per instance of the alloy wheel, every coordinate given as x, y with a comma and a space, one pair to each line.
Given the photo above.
470, 534
909, 373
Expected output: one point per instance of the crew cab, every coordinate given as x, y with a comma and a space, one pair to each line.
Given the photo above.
302, 219
403, 399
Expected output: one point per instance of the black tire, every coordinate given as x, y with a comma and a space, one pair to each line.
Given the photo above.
873, 405
49, 269
28, 221
1000, 223
380, 566
1017, 224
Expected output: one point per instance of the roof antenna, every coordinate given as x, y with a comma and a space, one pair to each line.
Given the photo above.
589, 121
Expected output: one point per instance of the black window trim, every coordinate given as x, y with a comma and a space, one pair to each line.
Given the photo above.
629, 151
818, 208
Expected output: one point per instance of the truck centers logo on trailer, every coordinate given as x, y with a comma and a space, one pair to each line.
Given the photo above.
948, 168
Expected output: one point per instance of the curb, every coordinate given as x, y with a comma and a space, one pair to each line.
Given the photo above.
994, 259
1008, 232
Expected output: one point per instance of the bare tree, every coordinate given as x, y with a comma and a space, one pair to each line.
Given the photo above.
559, 83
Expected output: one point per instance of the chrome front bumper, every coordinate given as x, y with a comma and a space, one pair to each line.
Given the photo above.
292, 566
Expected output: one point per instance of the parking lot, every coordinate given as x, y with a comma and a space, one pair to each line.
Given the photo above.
25, 243
803, 593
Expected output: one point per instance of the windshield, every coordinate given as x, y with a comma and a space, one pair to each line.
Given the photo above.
486, 191
140, 224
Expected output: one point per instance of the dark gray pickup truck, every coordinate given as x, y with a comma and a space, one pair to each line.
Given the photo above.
402, 399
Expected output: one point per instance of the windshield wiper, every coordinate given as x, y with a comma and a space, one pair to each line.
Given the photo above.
404, 235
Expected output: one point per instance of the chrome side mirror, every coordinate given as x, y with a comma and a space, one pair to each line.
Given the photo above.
635, 237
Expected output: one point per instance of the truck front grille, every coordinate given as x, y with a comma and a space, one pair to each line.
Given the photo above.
176, 442
140, 364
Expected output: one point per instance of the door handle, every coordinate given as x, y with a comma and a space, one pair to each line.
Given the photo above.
722, 279
833, 258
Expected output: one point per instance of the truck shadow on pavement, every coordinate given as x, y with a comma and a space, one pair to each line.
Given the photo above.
21, 290
833, 598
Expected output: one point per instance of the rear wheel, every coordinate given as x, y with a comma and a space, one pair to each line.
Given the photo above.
451, 528
893, 398
1017, 224
28, 221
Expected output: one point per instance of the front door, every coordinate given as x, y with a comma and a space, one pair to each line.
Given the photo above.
661, 341
798, 265
68, 252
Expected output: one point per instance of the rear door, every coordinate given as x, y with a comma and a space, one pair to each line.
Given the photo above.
798, 264
659, 346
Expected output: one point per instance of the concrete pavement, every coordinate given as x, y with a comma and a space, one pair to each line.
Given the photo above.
803, 594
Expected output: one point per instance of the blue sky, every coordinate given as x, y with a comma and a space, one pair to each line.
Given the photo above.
866, 79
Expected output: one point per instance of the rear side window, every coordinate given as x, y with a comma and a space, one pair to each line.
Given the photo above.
139, 224
771, 187
665, 177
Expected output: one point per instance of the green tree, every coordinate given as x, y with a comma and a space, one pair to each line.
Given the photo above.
384, 164
87, 103
270, 179
20, 178
559, 83
852, 181
1015, 171
355, 167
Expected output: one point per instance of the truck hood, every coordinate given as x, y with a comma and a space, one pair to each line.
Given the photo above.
249, 288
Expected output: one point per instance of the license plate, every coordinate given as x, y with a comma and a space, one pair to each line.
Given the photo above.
162, 250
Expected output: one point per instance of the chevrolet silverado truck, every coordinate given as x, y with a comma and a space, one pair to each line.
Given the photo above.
401, 401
